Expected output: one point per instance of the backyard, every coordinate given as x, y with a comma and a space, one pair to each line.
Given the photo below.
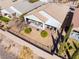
41, 37
38, 37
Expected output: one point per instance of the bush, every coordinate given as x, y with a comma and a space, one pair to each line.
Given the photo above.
44, 34
28, 30
5, 19
32, 1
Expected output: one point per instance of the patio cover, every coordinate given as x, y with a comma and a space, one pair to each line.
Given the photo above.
53, 22
33, 18
50, 20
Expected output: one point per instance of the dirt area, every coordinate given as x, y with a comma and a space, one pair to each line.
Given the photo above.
36, 37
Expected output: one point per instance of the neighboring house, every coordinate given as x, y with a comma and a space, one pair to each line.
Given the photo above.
49, 15
75, 20
22, 7
74, 35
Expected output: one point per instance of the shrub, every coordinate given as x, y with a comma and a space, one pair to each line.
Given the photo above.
5, 19
28, 30
32, 1
44, 34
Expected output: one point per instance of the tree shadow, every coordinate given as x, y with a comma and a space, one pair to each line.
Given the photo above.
56, 42
67, 53
75, 45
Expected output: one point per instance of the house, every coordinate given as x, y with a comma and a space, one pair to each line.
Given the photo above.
22, 7
75, 20
50, 15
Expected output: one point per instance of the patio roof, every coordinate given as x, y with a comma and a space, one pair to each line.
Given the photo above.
50, 20
53, 22
26, 6
11, 10
58, 11
21, 7
32, 17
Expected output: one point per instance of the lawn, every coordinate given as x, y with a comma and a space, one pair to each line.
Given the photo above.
4, 19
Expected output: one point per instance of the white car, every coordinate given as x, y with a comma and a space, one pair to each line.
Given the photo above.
75, 35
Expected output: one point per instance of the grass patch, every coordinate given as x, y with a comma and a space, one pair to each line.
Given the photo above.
4, 19
27, 30
32, 1
44, 34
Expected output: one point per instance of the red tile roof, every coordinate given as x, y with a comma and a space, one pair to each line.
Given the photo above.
75, 19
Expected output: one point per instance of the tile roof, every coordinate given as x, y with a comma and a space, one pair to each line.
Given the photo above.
57, 11
24, 7
75, 19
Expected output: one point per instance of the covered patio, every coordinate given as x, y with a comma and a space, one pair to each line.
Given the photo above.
49, 22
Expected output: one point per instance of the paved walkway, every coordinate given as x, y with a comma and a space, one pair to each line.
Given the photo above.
36, 50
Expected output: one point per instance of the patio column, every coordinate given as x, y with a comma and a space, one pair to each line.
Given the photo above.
25, 19
43, 26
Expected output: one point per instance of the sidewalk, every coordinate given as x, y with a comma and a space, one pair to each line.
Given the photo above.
36, 50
